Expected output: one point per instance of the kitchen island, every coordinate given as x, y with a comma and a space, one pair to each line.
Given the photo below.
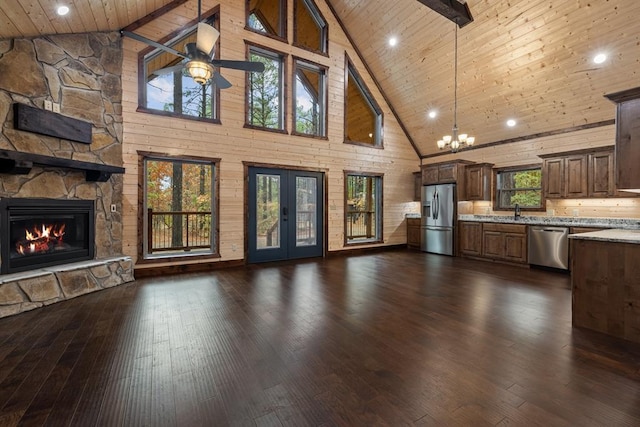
605, 282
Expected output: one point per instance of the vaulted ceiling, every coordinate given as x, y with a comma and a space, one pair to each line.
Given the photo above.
528, 60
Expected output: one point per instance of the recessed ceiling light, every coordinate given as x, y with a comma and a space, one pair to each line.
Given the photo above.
600, 58
511, 123
433, 114
63, 10
393, 41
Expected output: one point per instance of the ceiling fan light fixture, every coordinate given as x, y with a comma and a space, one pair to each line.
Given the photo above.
199, 71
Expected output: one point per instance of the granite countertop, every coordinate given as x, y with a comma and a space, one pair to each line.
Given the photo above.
616, 235
561, 221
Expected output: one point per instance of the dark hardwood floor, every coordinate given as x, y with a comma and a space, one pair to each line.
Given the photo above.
393, 338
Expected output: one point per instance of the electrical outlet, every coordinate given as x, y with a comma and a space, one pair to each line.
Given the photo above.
234, 247
114, 208
48, 105
576, 212
56, 107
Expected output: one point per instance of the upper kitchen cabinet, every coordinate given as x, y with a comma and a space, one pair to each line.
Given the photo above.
601, 173
417, 186
627, 153
477, 181
564, 175
579, 174
444, 173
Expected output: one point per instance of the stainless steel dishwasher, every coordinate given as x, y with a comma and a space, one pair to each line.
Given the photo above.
549, 246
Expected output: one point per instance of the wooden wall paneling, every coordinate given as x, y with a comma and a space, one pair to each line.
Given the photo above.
234, 144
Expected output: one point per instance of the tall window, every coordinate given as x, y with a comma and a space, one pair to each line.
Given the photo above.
519, 185
267, 17
168, 89
363, 116
363, 207
310, 27
265, 94
180, 217
310, 94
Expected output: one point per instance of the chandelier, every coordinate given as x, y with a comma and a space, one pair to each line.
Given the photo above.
455, 141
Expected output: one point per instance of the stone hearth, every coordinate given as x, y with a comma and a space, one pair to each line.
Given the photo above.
36, 288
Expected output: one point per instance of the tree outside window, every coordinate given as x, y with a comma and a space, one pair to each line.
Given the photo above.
267, 17
176, 93
522, 186
363, 208
310, 98
265, 94
179, 200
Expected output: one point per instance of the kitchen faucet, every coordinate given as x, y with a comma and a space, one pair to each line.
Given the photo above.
516, 214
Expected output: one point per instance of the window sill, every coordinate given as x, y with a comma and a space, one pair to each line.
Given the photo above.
364, 144
154, 259
282, 131
177, 116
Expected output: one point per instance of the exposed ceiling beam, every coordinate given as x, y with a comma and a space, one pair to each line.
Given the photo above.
450, 9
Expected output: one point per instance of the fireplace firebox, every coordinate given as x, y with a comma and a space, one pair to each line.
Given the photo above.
37, 233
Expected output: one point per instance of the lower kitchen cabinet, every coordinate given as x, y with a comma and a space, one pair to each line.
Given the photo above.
505, 242
470, 238
413, 232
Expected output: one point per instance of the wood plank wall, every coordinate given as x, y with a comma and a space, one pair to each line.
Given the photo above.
234, 144
527, 152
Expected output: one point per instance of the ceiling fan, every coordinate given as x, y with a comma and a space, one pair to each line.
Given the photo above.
199, 58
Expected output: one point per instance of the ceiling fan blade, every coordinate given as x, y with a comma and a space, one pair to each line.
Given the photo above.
152, 43
168, 70
253, 66
220, 81
206, 38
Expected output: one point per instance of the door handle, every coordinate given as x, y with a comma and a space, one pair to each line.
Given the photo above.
285, 212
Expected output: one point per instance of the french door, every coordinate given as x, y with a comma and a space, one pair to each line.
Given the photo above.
285, 214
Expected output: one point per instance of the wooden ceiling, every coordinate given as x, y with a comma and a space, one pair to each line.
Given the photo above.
530, 60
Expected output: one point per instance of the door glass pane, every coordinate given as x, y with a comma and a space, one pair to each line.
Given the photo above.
306, 211
267, 211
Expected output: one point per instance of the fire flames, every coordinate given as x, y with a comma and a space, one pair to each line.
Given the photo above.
40, 240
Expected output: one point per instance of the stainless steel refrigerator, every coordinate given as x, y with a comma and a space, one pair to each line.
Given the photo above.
438, 214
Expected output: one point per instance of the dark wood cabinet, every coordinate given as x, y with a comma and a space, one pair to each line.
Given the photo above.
601, 174
627, 151
575, 176
580, 174
553, 178
470, 238
444, 173
417, 186
477, 181
565, 176
505, 242
430, 175
413, 233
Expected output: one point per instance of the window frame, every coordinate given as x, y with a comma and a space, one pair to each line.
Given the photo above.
511, 169
212, 14
317, 16
324, 120
350, 68
282, 88
283, 22
379, 205
143, 255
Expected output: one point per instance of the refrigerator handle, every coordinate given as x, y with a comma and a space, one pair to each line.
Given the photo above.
436, 202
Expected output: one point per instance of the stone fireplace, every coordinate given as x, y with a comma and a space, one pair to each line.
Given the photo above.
36, 233
61, 197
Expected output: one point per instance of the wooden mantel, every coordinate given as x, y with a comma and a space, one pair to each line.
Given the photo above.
20, 163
